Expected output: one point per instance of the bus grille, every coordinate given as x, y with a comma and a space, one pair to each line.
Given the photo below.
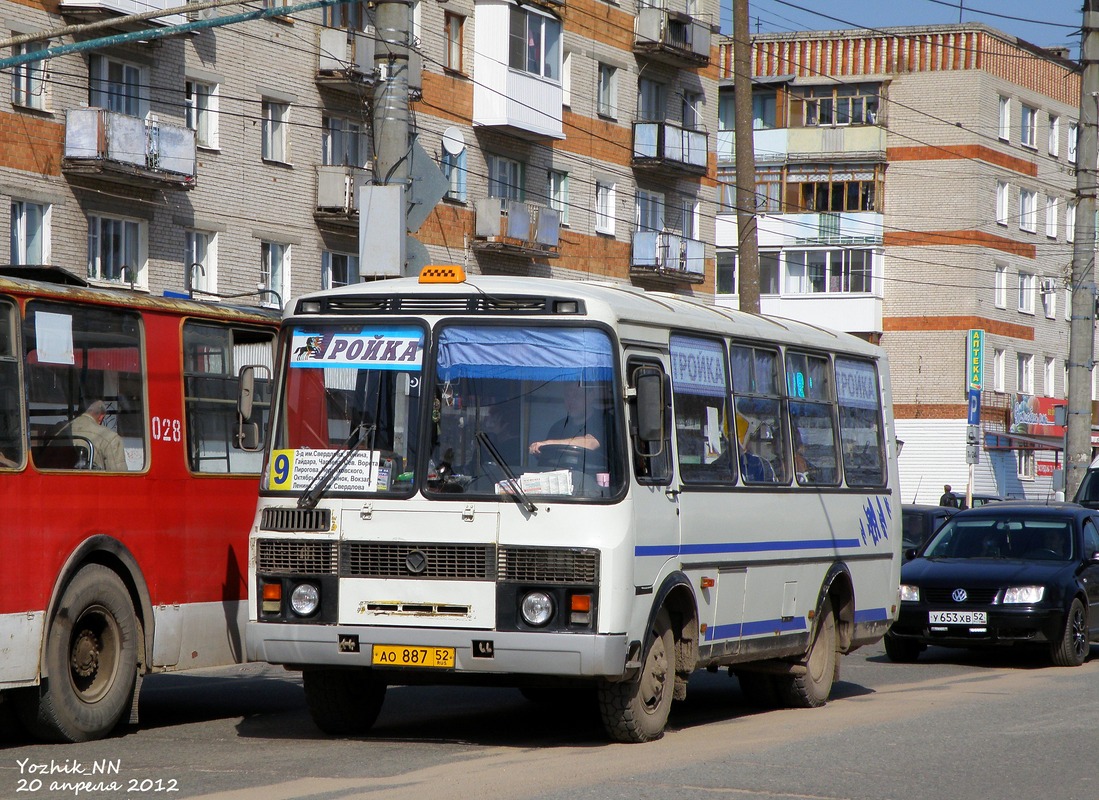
548, 565
417, 561
295, 557
296, 519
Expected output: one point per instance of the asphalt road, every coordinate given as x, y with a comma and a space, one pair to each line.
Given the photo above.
956, 725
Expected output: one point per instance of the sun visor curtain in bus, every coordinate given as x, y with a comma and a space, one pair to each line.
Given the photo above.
557, 354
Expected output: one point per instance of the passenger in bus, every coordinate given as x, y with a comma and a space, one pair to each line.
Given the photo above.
107, 451
754, 467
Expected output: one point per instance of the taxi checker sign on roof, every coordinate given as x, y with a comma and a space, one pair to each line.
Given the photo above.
375, 348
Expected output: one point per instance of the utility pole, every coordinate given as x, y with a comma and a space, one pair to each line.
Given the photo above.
1081, 350
744, 152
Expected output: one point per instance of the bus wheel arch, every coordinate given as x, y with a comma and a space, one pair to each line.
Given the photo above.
94, 646
810, 684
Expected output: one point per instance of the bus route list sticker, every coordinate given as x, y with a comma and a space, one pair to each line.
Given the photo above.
294, 470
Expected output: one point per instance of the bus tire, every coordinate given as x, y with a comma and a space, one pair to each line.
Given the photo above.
811, 688
91, 658
636, 711
343, 702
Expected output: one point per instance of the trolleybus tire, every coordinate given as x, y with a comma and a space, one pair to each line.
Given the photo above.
811, 688
636, 711
1071, 648
343, 702
902, 651
91, 658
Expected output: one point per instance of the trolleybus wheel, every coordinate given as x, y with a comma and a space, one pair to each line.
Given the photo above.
91, 659
637, 710
343, 702
811, 689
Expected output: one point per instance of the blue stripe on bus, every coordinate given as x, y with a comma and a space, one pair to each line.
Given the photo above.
741, 547
737, 630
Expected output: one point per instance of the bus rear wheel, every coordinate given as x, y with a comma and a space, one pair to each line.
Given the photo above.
343, 702
811, 688
637, 711
91, 661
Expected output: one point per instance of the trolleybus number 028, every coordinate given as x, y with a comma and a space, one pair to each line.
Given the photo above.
385, 655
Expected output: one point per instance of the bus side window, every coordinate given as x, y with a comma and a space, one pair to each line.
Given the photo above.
652, 462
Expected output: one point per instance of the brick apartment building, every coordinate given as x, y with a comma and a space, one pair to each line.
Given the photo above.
916, 184
575, 136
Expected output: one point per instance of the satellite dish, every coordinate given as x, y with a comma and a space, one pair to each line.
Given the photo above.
453, 141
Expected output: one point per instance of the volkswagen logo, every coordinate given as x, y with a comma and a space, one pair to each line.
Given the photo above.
416, 562
959, 595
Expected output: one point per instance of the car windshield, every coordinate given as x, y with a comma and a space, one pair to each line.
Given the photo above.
1016, 538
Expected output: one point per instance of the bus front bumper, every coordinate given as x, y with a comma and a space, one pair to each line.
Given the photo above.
487, 652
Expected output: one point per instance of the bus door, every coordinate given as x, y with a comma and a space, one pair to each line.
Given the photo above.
706, 472
654, 504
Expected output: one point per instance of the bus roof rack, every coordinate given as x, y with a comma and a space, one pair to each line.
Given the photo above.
46, 273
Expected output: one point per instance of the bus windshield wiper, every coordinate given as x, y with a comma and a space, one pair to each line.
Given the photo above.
516, 490
332, 467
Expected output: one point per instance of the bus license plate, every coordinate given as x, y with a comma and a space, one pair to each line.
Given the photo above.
957, 617
387, 655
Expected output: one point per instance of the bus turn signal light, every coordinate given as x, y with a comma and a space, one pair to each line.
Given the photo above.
580, 606
272, 598
442, 273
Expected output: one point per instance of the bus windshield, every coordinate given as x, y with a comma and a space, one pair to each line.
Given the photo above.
526, 405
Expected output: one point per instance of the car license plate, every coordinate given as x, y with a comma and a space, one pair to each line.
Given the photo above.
957, 617
387, 655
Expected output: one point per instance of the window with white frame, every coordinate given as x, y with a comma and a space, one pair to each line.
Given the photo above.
770, 272
999, 288
276, 117
559, 194
1051, 217
831, 271
725, 277
1028, 132
692, 110
1028, 210
30, 233
454, 170
999, 366
691, 217
343, 142
117, 86
1054, 135
505, 179
1070, 221
534, 43
338, 269
1049, 298
1025, 463
607, 91
1002, 202
274, 273
649, 211
200, 262
1070, 150
1050, 377
29, 80
202, 112
1026, 292
1024, 375
604, 207
116, 250
652, 103
1005, 118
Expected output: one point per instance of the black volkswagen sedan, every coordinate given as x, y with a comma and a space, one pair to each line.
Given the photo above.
1004, 574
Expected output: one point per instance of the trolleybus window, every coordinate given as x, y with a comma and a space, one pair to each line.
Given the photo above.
77, 357
861, 436
701, 391
760, 418
11, 425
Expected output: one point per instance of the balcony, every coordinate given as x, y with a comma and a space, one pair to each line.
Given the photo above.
345, 59
513, 228
123, 149
95, 10
670, 256
338, 195
672, 37
664, 147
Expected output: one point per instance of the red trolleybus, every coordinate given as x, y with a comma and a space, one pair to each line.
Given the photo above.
127, 493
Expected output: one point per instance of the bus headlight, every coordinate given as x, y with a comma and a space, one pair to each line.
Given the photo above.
305, 599
537, 608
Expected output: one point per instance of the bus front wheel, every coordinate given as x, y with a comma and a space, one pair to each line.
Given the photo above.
343, 702
811, 688
91, 658
637, 711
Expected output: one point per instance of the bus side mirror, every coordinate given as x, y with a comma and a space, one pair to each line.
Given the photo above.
248, 430
650, 405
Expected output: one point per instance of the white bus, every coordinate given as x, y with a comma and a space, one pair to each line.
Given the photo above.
554, 484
